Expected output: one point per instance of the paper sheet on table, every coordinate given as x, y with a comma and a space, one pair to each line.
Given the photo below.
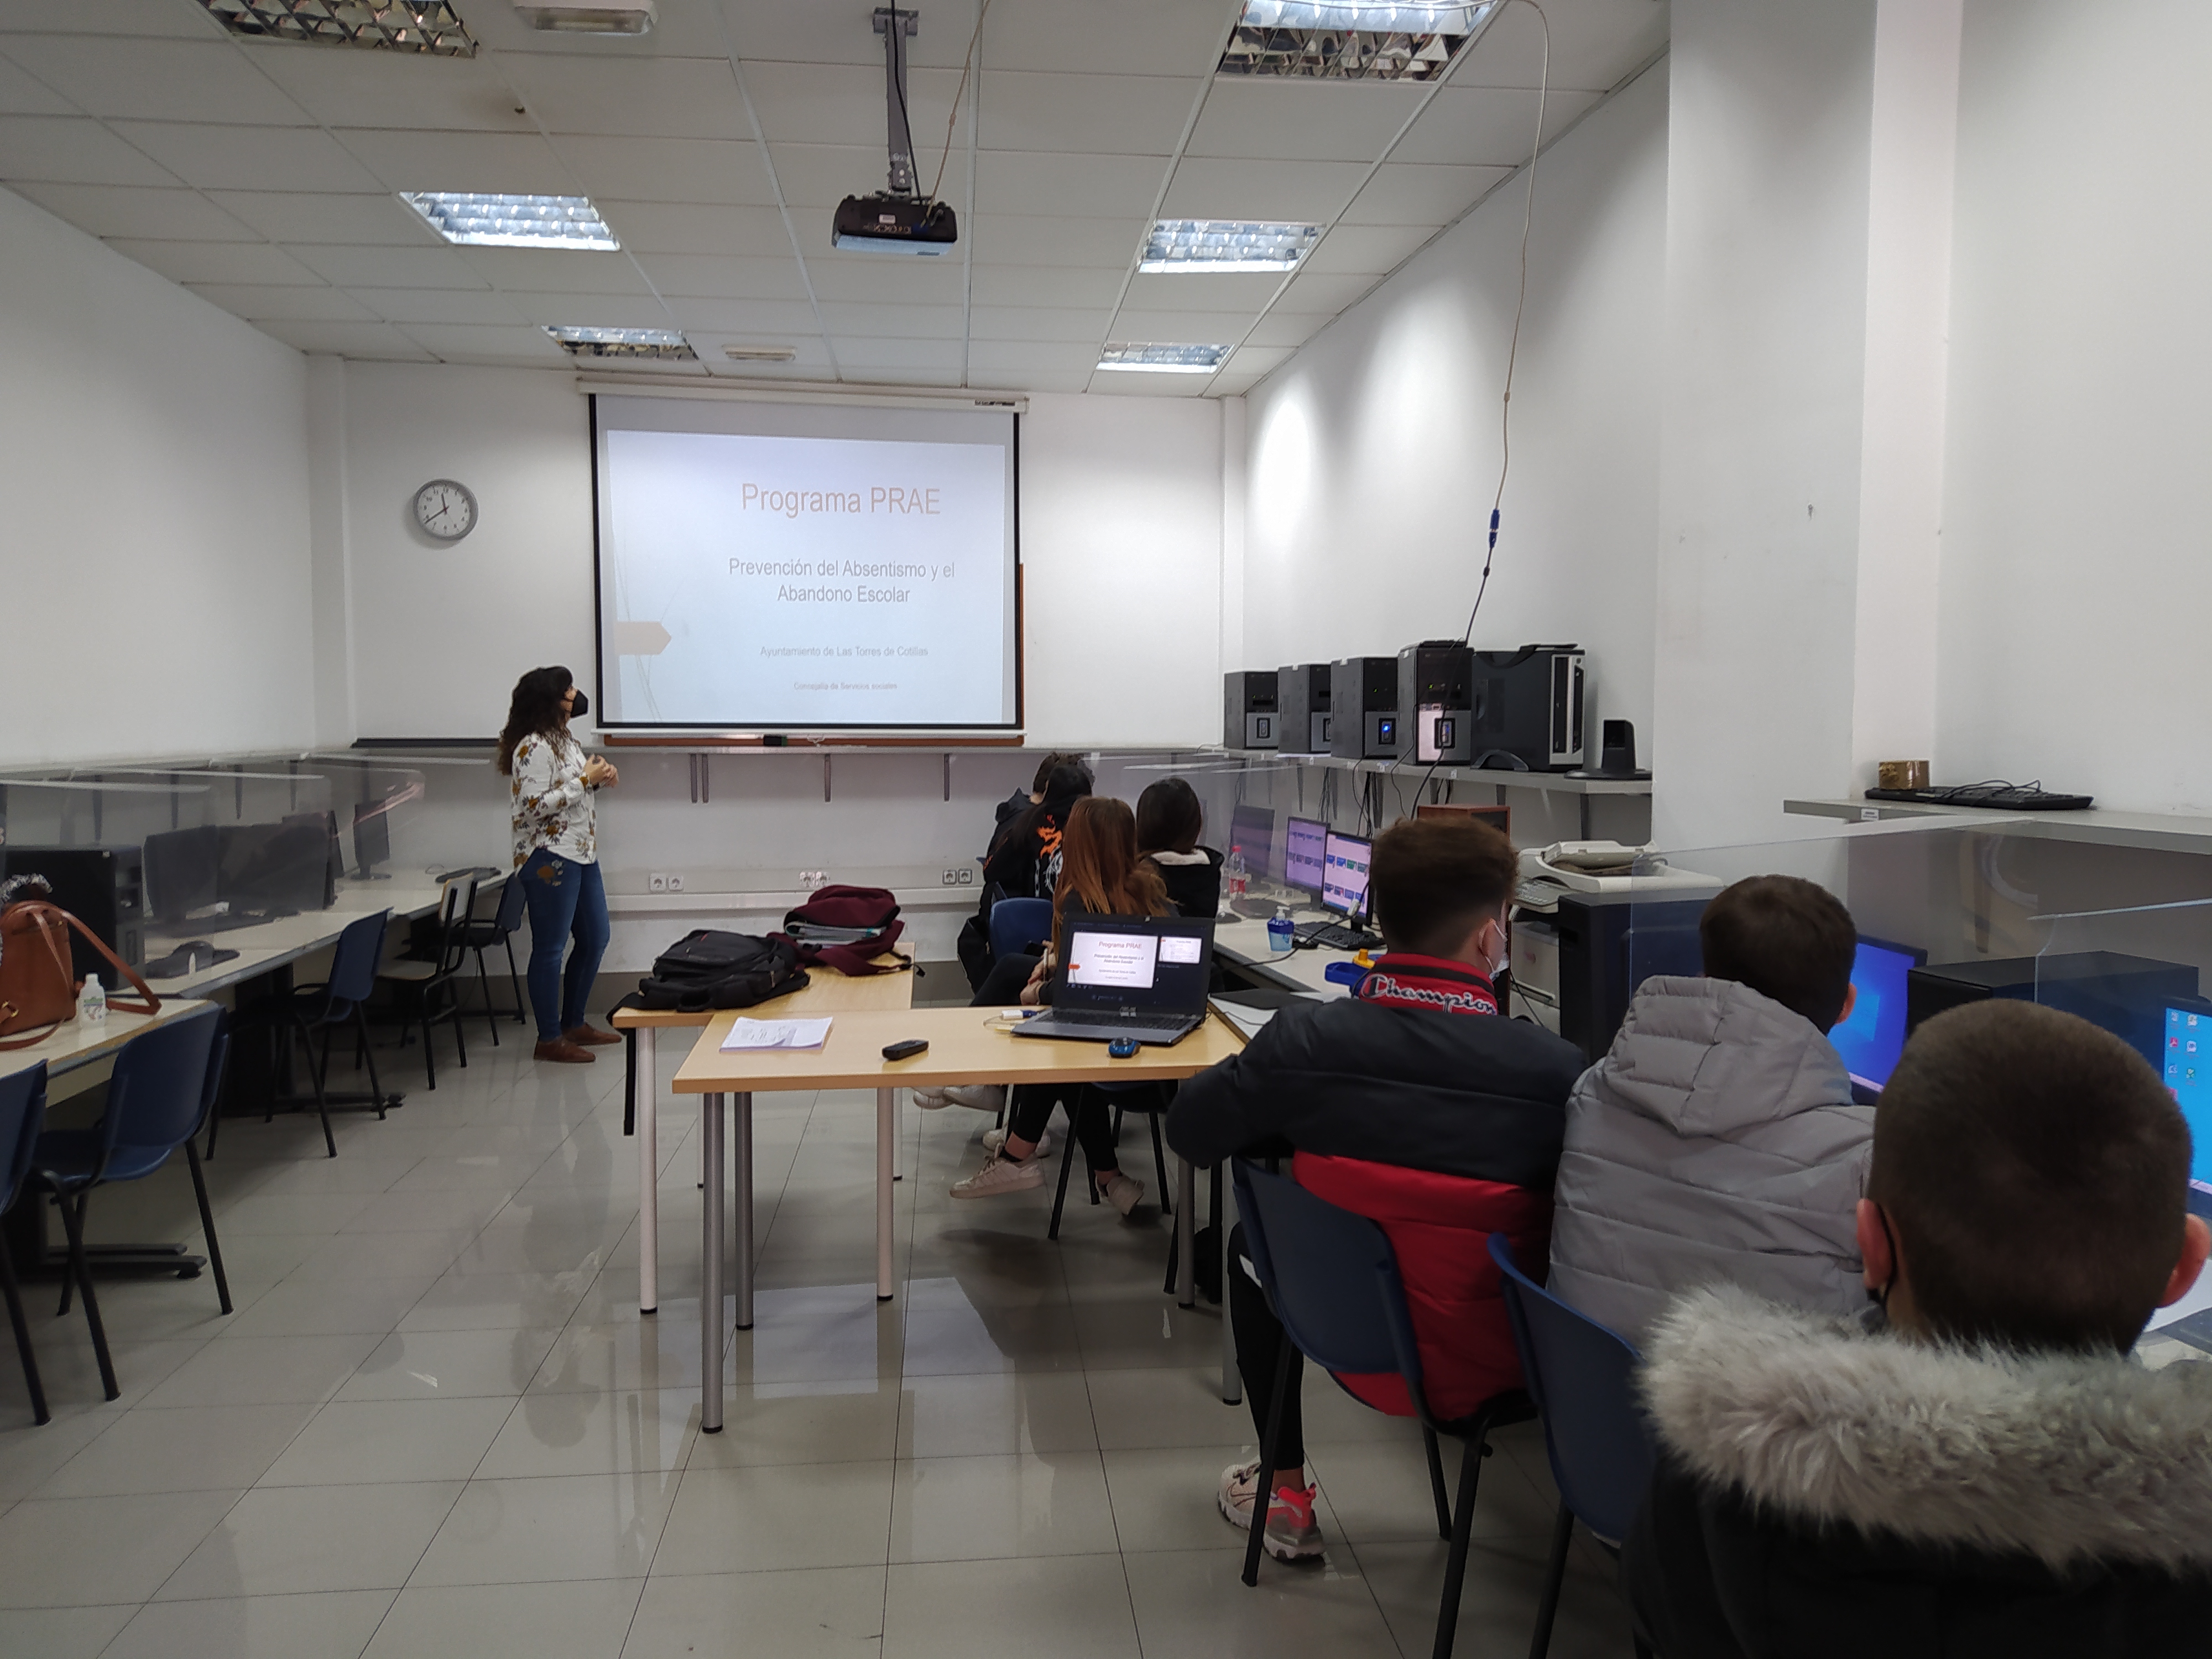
777, 1034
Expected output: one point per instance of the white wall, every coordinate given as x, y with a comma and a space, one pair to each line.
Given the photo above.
153, 460
1374, 451
2076, 582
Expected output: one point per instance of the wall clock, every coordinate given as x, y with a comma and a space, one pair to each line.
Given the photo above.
445, 509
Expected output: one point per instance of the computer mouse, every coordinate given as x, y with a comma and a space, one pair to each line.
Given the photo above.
1121, 1047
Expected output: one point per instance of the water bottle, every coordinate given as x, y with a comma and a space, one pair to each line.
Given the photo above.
92, 1000
1235, 873
1280, 932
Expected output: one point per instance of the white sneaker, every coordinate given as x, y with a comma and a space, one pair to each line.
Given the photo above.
930, 1100
1123, 1192
1291, 1534
994, 1139
1002, 1174
983, 1097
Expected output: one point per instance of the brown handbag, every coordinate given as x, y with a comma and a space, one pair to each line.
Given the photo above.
38, 985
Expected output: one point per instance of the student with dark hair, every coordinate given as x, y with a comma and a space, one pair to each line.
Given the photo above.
1022, 799
1024, 858
1170, 821
1372, 1099
1717, 1141
1979, 1467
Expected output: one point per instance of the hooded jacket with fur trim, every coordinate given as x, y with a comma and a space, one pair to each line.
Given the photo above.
1826, 1488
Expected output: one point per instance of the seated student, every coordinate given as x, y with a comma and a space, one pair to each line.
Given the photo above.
1170, 821
1717, 1140
1415, 1069
1100, 875
1024, 863
1022, 799
1984, 1471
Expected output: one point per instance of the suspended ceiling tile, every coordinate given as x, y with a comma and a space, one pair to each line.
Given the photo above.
1420, 193
71, 151
769, 36
1142, 383
1097, 187
1287, 328
817, 177
773, 320
901, 322
592, 310
706, 276
1490, 126
351, 265
554, 270
1099, 114
157, 80
843, 103
809, 353
132, 17
126, 210
249, 158
721, 171
1098, 244
365, 342
888, 278
1128, 37
662, 228
217, 262
1042, 379
1255, 359
352, 89
493, 163
1319, 291
295, 305
377, 216
22, 94
515, 342
1239, 291
1314, 192
437, 305
1041, 324
1000, 284
1594, 43
863, 352
638, 97
1375, 249
1302, 120
1179, 327
1022, 359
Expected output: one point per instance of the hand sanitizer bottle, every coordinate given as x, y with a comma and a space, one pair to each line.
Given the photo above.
1282, 934
92, 1000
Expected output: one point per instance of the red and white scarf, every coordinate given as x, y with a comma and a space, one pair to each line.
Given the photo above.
1402, 979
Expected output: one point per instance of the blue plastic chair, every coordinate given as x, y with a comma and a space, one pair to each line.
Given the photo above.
23, 1114
1583, 1376
165, 1083
1332, 1278
1019, 926
341, 999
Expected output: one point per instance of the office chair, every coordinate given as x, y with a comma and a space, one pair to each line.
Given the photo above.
422, 985
1019, 926
1582, 1377
480, 934
164, 1085
23, 1114
1151, 1099
341, 999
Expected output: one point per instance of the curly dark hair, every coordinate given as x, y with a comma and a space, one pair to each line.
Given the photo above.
534, 710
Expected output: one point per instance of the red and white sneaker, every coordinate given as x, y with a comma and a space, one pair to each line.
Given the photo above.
1291, 1534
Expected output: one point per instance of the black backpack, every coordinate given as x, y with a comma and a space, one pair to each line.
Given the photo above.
708, 969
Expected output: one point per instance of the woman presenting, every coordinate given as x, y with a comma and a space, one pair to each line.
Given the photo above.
555, 790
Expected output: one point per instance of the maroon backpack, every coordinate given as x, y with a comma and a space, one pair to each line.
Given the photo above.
846, 928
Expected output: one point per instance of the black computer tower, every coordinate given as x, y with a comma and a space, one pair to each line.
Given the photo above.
1362, 703
1302, 697
1527, 707
2126, 995
1610, 944
1436, 714
104, 888
1248, 700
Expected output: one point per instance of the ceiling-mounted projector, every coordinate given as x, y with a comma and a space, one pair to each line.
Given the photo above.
898, 220
598, 17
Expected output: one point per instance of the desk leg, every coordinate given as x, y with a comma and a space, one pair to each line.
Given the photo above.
648, 1174
1232, 1380
710, 1267
886, 1160
1186, 1235
745, 1105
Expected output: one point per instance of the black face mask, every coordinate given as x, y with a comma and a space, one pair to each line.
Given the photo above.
581, 707
1879, 1294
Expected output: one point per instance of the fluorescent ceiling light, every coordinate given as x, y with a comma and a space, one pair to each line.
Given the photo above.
1453, 17
1351, 40
667, 344
430, 27
745, 354
635, 17
1226, 245
514, 221
1164, 359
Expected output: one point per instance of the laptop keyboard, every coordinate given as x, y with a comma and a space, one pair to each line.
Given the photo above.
1092, 1017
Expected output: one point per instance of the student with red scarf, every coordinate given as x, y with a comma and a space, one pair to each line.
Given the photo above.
1372, 1098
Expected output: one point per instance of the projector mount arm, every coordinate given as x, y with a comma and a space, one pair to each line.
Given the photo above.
895, 26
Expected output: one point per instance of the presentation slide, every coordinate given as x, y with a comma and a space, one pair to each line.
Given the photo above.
797, 566
1121, 960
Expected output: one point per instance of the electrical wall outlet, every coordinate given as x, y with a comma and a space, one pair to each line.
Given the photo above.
675, 881
949, 879
810, 879
656, 883
966, 877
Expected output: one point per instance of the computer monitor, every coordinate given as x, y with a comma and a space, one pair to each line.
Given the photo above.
2188, 1070
1873, 1035
1344, 874
372, 839
1305, 847
272, 866
180, 872
1253, 829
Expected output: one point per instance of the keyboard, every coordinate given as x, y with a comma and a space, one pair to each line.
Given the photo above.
2006, 797
1334, 936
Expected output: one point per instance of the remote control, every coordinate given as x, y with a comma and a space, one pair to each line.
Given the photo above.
906, 1050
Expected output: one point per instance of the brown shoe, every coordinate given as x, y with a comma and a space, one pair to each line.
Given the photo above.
564, 1051
590, 1034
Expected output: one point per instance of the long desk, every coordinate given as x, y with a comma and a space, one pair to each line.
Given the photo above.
827, 991
1243, 946
78, 1043
964, 1048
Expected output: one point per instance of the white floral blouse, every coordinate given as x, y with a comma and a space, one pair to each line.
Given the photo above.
553, 807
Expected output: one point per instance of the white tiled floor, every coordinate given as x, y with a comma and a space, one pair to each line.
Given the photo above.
437, 1425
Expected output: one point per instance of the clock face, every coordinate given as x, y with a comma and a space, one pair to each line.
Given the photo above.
445, 509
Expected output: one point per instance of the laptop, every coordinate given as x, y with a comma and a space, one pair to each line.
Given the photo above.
1873, 1037
1139, 977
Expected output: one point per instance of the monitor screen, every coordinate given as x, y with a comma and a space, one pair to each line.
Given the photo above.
1344, 874
181, 871
2189, 1074
371, 836
1253, 829
1155, 964
1305, 844
1871, 1039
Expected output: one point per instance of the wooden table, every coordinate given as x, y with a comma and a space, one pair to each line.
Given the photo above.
964, 1048
827, 991
78, 1043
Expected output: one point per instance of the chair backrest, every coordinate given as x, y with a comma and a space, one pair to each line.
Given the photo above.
512, 895
1582, 1378
23, 1114
354, 962
1331, 1277
158, 1092
1019, 926
455, 901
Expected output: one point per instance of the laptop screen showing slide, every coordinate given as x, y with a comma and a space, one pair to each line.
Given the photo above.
1304, 842
2187, 1063
1344, 875
1871, 1039
1144, 977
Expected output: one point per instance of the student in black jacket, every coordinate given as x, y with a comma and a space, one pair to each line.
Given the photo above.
1984, 1470
1024, 863
1170, 821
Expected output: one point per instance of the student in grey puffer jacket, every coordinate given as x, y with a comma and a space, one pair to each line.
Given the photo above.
1717, 1142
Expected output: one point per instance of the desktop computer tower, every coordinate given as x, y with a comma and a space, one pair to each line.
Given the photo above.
1363, 708
1611, 943
1436, 714
1302, 699
104, 888
2126, 995
1527, 707
1249, 709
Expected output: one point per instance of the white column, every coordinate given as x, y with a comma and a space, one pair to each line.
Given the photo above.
330, 552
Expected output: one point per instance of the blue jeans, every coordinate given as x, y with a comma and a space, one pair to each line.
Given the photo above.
564, 898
